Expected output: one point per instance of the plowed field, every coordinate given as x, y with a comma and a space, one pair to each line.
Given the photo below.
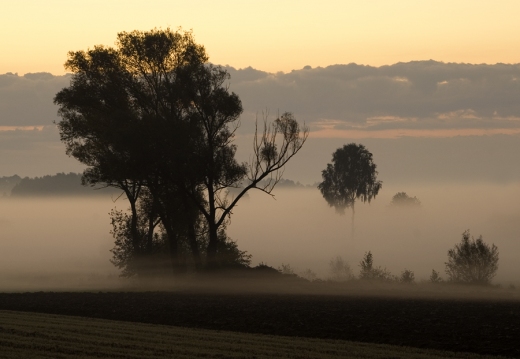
479, 326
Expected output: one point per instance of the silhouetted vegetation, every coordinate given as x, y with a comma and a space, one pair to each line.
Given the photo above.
435, 277
407, 276
351, 175
60, 184
152, 118
369, 272
401, 199
472, 261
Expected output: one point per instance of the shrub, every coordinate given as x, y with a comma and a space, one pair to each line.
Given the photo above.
472, 261
407, 276
369, 272
401, 199
286, 269
435, 277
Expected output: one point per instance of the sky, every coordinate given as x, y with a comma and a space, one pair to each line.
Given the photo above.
268, 35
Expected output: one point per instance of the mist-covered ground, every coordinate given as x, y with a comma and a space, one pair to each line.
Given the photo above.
298, 228
57, 242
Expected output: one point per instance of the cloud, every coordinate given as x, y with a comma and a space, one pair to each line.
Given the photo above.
419, 95
28, 100
412, 96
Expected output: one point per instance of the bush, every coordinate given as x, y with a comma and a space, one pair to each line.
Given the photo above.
340, 270
435, 277
407, 276
401, 199
369, 272
286, 269
472, 261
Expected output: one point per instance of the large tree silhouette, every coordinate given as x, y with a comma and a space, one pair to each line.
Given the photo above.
351, 175
154, 119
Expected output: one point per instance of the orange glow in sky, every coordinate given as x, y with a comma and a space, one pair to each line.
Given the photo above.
35, 36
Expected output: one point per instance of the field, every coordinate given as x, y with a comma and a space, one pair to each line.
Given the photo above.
291, 325
35, 335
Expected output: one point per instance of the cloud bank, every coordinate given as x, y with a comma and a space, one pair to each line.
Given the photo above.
412, 96
419, 95
391, 109
27, 100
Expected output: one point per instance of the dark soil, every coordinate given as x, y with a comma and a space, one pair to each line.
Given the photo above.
480, 326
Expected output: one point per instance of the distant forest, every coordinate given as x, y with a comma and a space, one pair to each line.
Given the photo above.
60, 184
63, 184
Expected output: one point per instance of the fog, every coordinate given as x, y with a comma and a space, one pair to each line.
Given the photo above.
65, 242
298, 228
56, 243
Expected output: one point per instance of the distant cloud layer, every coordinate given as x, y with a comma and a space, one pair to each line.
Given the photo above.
421, 95
27, 100
349, 102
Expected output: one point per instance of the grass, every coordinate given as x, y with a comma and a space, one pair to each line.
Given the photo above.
35, 335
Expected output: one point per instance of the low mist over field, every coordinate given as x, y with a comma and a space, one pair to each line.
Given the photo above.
61, 242
298, 228
55, 242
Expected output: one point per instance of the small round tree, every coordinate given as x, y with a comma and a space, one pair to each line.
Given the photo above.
472, 261
401, 199
351, 175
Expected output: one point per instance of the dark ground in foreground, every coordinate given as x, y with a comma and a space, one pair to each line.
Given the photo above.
473, 325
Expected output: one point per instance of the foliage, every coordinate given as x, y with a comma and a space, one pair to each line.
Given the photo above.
340, 270
435, 277
369, 272
55, 185
472, 261
153, 119
407, 276
150, 257
351, 175
286, 269
401, 199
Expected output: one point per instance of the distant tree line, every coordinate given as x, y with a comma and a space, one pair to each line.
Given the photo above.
60, 184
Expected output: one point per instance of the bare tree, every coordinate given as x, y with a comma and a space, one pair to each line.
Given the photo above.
278, 142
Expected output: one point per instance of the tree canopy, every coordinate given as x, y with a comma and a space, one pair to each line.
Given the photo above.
401, 199
154, 119
352, 175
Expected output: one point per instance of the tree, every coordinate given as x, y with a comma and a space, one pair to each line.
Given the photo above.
152, 118
124, 117
368, 271
435, 277
351, 175
407, 276
401, 199
472, 261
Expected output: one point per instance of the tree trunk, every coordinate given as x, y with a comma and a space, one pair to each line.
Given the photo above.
173, 242
352, 226
192, 237
211, 261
